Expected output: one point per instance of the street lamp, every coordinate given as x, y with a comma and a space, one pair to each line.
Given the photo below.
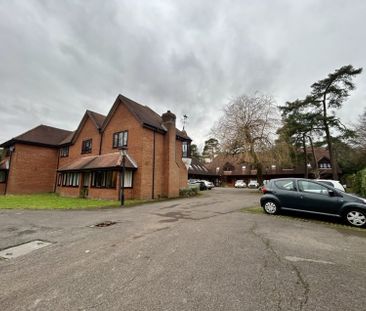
218, 179
123, 153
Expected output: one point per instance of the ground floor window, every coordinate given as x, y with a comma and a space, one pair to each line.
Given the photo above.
104, 179
68, 179
2, 176
128, 179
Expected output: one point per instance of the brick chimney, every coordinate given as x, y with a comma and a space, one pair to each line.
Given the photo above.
171, 169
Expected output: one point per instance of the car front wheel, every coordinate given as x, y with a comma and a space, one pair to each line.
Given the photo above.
271, 207
356, 218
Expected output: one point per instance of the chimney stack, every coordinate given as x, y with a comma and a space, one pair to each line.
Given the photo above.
171, 166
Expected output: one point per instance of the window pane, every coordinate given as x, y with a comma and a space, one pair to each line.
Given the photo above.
115, 140
185, 149
286, 184
311, 187
128, 179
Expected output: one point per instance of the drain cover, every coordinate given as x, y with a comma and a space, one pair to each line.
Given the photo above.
105, 224
22, 249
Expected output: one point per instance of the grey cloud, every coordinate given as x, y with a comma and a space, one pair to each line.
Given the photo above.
62, 57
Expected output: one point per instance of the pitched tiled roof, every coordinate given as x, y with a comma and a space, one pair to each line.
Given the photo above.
198, 168
51, 136
183, 134
41, 135
145, 115
110, 160
68, 139
96, 117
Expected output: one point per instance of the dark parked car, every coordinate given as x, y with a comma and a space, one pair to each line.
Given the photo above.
310, 196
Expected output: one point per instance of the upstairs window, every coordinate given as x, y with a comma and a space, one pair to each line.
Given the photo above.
120, 139
86, 146
64, 152
185, 149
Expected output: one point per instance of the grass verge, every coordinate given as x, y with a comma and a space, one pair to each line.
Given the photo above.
54, 201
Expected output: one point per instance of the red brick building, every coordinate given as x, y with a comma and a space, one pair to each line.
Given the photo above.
87, 162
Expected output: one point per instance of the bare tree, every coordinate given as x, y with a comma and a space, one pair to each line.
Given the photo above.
360, 130
248, 126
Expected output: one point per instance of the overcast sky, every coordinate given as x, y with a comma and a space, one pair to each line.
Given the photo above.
59, 58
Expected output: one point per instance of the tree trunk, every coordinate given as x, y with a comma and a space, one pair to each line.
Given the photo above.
329, 140
316, 168
257, 164
306, 174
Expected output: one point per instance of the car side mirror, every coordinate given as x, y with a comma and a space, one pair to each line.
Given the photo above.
332, 193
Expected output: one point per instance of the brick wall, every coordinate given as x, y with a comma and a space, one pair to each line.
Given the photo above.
2, 188
68, 191
183, 172
160, 174
123, 120
171, 172
88, 131
33, 169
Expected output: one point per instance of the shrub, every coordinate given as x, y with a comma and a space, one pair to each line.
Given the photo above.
358, 182
188, 192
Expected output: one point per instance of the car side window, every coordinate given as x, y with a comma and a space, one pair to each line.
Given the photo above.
312, 187
286, 185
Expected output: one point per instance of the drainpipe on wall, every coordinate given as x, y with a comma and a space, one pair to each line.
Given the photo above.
11, 149
58, 163
153, 170
100, 141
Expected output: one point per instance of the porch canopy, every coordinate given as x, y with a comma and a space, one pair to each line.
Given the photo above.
105, 161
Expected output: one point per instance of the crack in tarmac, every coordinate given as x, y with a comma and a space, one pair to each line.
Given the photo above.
299, 276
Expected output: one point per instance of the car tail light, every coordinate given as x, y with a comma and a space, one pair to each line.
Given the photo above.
264, 189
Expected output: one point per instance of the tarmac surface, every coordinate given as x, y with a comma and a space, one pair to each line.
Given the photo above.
203, 253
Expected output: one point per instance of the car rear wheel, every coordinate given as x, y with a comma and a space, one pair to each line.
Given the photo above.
271, 207
356, 218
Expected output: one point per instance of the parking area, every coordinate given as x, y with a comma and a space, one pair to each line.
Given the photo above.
210, 252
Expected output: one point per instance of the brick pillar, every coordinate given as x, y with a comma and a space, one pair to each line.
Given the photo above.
171, 169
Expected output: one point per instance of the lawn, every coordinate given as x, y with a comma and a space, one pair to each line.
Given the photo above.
53, 201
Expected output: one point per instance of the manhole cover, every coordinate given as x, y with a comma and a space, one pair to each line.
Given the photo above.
105, 224
22, 249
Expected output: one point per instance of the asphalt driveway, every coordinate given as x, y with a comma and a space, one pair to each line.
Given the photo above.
189, 254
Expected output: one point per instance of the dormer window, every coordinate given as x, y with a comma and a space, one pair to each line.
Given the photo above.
86, 146
185, 150
120, 139
64, 152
